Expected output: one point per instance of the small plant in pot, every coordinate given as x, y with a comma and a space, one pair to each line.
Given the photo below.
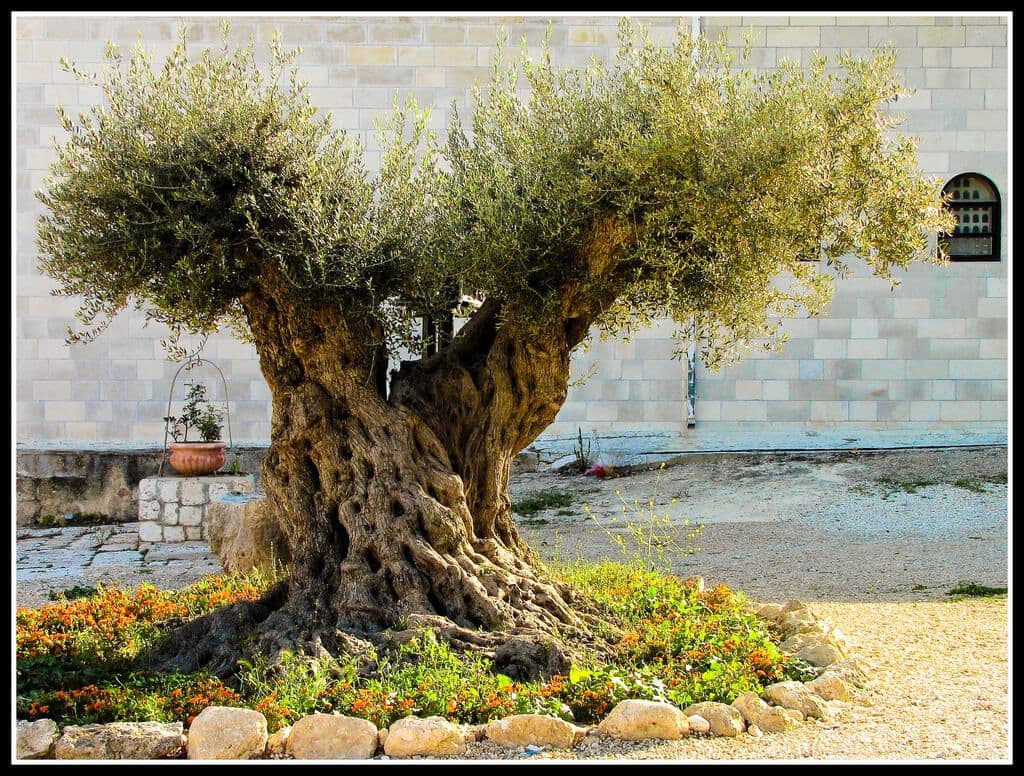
196, 457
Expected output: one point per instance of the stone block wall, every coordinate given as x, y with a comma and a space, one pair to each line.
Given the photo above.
173, 509
60, 482
931, 354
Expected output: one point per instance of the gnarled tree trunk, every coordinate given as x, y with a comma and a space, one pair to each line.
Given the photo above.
395, 504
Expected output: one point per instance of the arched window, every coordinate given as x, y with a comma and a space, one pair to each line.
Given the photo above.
975, 203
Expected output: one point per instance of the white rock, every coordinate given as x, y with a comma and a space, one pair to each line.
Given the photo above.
168, 489
190, 515
35, 739
245, 535
795, 695
724, 719
793, 714
226, 733
754, 731
332, 737
169, 514
147, 489
756, 712
698, 725
769, 612
149, 510
798, 641
119, 741
636, 720
174, 533
797, 621
151, 532
539, 729
793, 605
428, 737
192, 492
850, 671
820, 655
830, 686
277, 741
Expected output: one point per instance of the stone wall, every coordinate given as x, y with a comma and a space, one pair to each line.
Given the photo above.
930, 355
934, 351
61, 482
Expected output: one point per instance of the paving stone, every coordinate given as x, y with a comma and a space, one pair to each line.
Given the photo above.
117, 558
49, 558
178, 551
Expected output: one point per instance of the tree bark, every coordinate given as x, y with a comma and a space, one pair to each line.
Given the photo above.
395, 506
396, 512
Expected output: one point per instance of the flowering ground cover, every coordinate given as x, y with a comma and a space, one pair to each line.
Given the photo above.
79, 660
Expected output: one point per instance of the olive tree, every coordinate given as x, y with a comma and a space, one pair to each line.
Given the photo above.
211, 193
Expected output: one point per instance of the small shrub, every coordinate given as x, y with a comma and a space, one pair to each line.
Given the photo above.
643, 535
71, 593
206, 420
75, 519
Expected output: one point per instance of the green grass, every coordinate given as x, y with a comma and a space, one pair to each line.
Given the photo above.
539, 501
975, 590
977, 484
972, 484
668, 640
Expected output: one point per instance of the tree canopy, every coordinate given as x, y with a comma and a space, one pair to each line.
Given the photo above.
673, 182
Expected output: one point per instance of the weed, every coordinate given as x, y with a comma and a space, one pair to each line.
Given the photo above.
977, 484
541, 500
646, 536
582, 453
78, 591
891, 486
975, 590
76, 519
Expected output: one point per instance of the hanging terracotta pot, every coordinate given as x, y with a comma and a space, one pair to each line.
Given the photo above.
196, 459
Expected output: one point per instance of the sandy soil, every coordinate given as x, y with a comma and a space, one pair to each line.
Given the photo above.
906, 525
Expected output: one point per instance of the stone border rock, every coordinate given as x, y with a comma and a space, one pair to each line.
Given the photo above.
779, 707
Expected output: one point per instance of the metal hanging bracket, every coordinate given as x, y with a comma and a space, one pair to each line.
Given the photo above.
189, 365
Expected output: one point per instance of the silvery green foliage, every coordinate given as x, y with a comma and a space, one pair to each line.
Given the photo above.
711, 182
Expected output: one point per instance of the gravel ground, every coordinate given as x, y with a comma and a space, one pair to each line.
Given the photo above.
823, 527
939, 693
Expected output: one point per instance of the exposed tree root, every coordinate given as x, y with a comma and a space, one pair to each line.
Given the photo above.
266, 628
